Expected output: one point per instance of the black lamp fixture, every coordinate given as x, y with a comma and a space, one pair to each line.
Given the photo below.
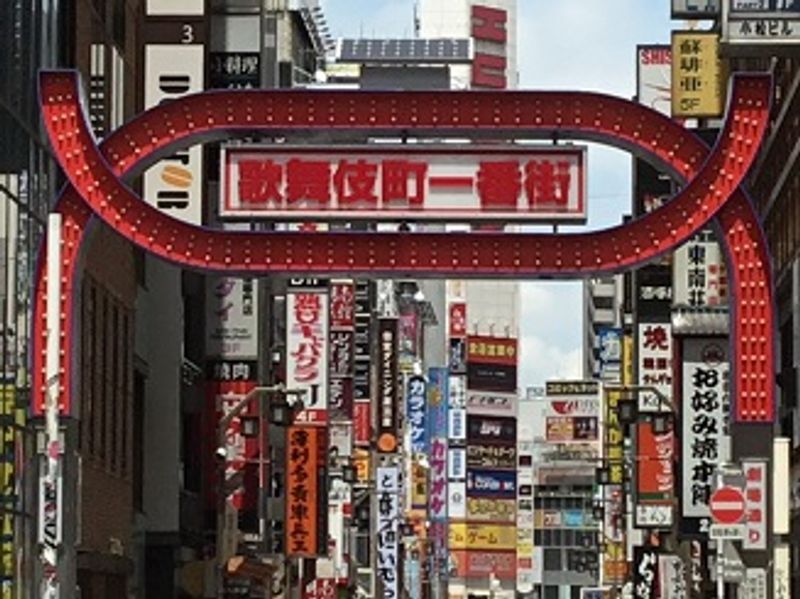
628, 411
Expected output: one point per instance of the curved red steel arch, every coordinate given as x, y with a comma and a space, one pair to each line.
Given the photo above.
713, 179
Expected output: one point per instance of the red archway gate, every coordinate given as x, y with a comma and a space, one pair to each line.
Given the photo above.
712, 191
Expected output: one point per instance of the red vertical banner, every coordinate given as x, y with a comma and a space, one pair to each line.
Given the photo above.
241, 473
655, 489
342, 350
306, 496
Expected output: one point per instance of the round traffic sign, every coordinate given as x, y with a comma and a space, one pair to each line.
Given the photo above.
727, 505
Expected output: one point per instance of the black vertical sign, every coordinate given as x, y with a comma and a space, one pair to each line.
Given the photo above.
387, 385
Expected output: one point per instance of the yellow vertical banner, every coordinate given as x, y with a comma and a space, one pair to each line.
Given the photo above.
697, 74
10, 420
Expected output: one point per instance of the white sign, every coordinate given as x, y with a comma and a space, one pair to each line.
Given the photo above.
726, 531
672, 577
705, 437
51, 508
231, 318
388, 516
457, 463
695, 9
456, 500
782, 572
655, 366
307, 352
491, 404
182, 8
457, 424
699, 273
653, 516
755, 498
175, 185
404, 182
654, 77
754, 585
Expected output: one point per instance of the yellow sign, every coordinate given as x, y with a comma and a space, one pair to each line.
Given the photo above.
491, 510
697, 74
482, 536
419, 486
361, 463
12, 420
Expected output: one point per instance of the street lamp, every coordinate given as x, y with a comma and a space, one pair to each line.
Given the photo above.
280, 413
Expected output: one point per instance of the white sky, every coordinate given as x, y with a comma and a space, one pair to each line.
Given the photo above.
587, 45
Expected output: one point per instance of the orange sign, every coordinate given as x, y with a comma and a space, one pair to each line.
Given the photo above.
306, 447
492, 350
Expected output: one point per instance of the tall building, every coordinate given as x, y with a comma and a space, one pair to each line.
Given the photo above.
602, 305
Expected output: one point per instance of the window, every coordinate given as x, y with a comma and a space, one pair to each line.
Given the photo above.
139, 384
552, 559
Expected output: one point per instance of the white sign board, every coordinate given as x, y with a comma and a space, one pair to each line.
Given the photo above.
404, 182
655, 366
726, 531
231, 318
705, 437
175, 184
699, 273
755, 497
388, 517
307, 352
654, 77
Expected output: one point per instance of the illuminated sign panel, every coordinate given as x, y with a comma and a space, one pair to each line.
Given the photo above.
533, 184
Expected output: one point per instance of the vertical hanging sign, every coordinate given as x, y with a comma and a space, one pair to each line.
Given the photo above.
415, 413
342, 340
307, 352
174, 66
387, 385
705, 439
306, 529
388, 488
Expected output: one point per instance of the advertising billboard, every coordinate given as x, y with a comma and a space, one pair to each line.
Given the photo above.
483, 509
697, 75
498, 484
534, 184
307, 352
416, 413
171, 70
705, 439
655, 488
387, 483
491, 537
655, 366
231, 318
760, 22
699, 272
387, 385
491, 404
306, 491
492, 430
654, 77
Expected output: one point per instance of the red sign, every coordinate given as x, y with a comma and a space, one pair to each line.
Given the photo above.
458, 319
361, 422
481, 564
343, 302
525, 185
727, 505
489, 32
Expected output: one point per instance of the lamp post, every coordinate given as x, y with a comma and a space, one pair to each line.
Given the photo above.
280, 413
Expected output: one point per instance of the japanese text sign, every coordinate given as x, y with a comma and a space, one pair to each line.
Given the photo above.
387, 385
305, 458
437, 425
415, 413
706, 441
699, 273
696, 74
755, 497
307, 352
655, 366
655, 476
388, 513
492, 350
530, 184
